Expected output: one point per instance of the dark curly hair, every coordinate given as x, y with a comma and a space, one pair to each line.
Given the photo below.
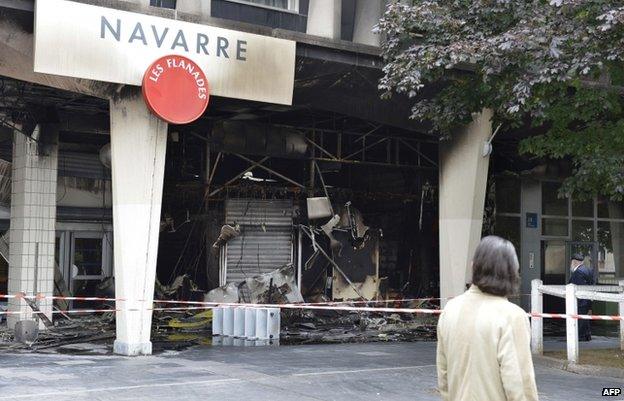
495, 267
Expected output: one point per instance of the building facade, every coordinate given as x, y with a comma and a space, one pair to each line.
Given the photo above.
103, 197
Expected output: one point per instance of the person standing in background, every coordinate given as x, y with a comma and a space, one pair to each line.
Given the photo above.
582, 275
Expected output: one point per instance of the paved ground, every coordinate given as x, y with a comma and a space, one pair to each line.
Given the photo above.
559, 343
382, 371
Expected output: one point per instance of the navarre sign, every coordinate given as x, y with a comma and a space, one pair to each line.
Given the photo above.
103, 44
176, 89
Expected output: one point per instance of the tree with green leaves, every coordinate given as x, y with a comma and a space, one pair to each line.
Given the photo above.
558, 64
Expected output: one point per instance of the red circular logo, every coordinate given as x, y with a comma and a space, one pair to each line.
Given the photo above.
176, 89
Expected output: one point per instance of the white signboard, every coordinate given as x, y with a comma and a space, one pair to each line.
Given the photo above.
103, 44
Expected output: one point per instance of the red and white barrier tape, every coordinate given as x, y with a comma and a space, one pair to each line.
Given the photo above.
76, 311
579, 317
41, 296
211, 305
329, 306
328, 303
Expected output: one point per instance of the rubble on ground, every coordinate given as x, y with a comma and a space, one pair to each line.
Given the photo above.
323, 326
94, 334
276, 287
176, 330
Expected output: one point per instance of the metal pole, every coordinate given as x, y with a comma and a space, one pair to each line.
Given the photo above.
537, 323
621, 313
254, 165
312, 168
36, 279
299, 258
271, 171
572, 324
333, 263
363, 150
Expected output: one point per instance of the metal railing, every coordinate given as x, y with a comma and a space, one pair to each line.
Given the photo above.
572, 293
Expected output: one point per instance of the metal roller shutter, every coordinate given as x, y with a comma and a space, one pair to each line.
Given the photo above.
265, 243
86, 165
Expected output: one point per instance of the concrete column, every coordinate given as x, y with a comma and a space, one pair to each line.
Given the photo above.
367, 15
324, 18
138, 145
33, 220
463, 179
198, 7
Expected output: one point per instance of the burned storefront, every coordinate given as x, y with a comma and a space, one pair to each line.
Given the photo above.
338, 205
291, 182
302, 205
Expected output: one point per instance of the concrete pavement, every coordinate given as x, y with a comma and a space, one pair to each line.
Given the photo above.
373, 371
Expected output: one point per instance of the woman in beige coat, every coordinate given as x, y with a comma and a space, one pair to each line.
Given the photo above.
483, 339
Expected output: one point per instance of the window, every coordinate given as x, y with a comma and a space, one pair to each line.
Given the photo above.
583, 230
555, 227
583, 208
554, 256
163, 3
286, 5
88, 256
608, 209
507, 195
611, 247
552, 205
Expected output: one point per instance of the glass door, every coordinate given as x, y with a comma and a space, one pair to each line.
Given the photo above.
90, 263
554, 266
554, 263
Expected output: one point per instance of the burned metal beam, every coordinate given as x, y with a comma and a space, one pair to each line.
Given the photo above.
271, 171
330, 260
365, 148
239, 175
379, 164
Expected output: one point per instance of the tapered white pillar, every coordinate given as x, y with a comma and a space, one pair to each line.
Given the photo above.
463, 180
324, 18
197, 7
138, 145
367, 15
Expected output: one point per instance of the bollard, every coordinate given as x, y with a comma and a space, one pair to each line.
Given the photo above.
537, 323
572, 324
261, 324
273, 324
621, 313
217, 321
250, 323
239, 322
228, 321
